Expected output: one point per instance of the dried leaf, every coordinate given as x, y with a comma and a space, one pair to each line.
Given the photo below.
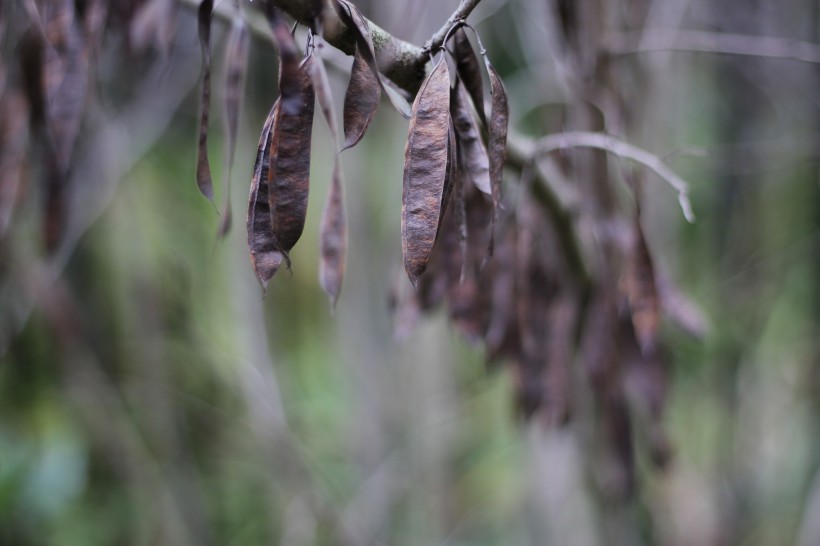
203, 168
469, 71
473, 155
353, 19
425, 170
497, 140
289, 174
266, 256
235, 69
361, 100
333, 238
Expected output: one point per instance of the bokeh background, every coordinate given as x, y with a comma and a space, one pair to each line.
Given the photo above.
150, 395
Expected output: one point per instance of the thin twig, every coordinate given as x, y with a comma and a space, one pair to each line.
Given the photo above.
714, 42
460, 14
580, 139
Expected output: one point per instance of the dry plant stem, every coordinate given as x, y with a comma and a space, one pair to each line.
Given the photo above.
714, 42
464, 9
579, 139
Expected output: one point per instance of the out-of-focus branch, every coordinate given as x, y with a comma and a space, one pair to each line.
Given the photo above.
714, 42
580, 139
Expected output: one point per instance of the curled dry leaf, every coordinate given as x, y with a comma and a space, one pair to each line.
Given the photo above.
425, 170
235, 69
361, 100
469, 71
353, 18
203, 168
497, 140
289, 173
473, 158
266, 256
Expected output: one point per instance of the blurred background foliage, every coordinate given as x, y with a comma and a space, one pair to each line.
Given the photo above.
150, 395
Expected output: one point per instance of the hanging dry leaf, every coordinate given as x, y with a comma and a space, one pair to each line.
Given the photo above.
236, 65
469, 71
473, 157
497, 140
266, 256
203, 168
425, 170
361, 100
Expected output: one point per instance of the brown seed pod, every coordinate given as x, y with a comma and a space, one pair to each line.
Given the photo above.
473, 158
425, 170
640, 287
333, 231
333, 238
289, 173
361, 100
235, 69
497, 140
469, 71
203, 168
353, 18
266, 256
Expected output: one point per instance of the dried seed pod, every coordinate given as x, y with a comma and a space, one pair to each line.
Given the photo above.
639, 285
289, 173
333, 238
323, 96
497, 140
469, 71
361, 100
353, 18
473, 158
425, 170
333, 232
266, 256
235, 69
203, 168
